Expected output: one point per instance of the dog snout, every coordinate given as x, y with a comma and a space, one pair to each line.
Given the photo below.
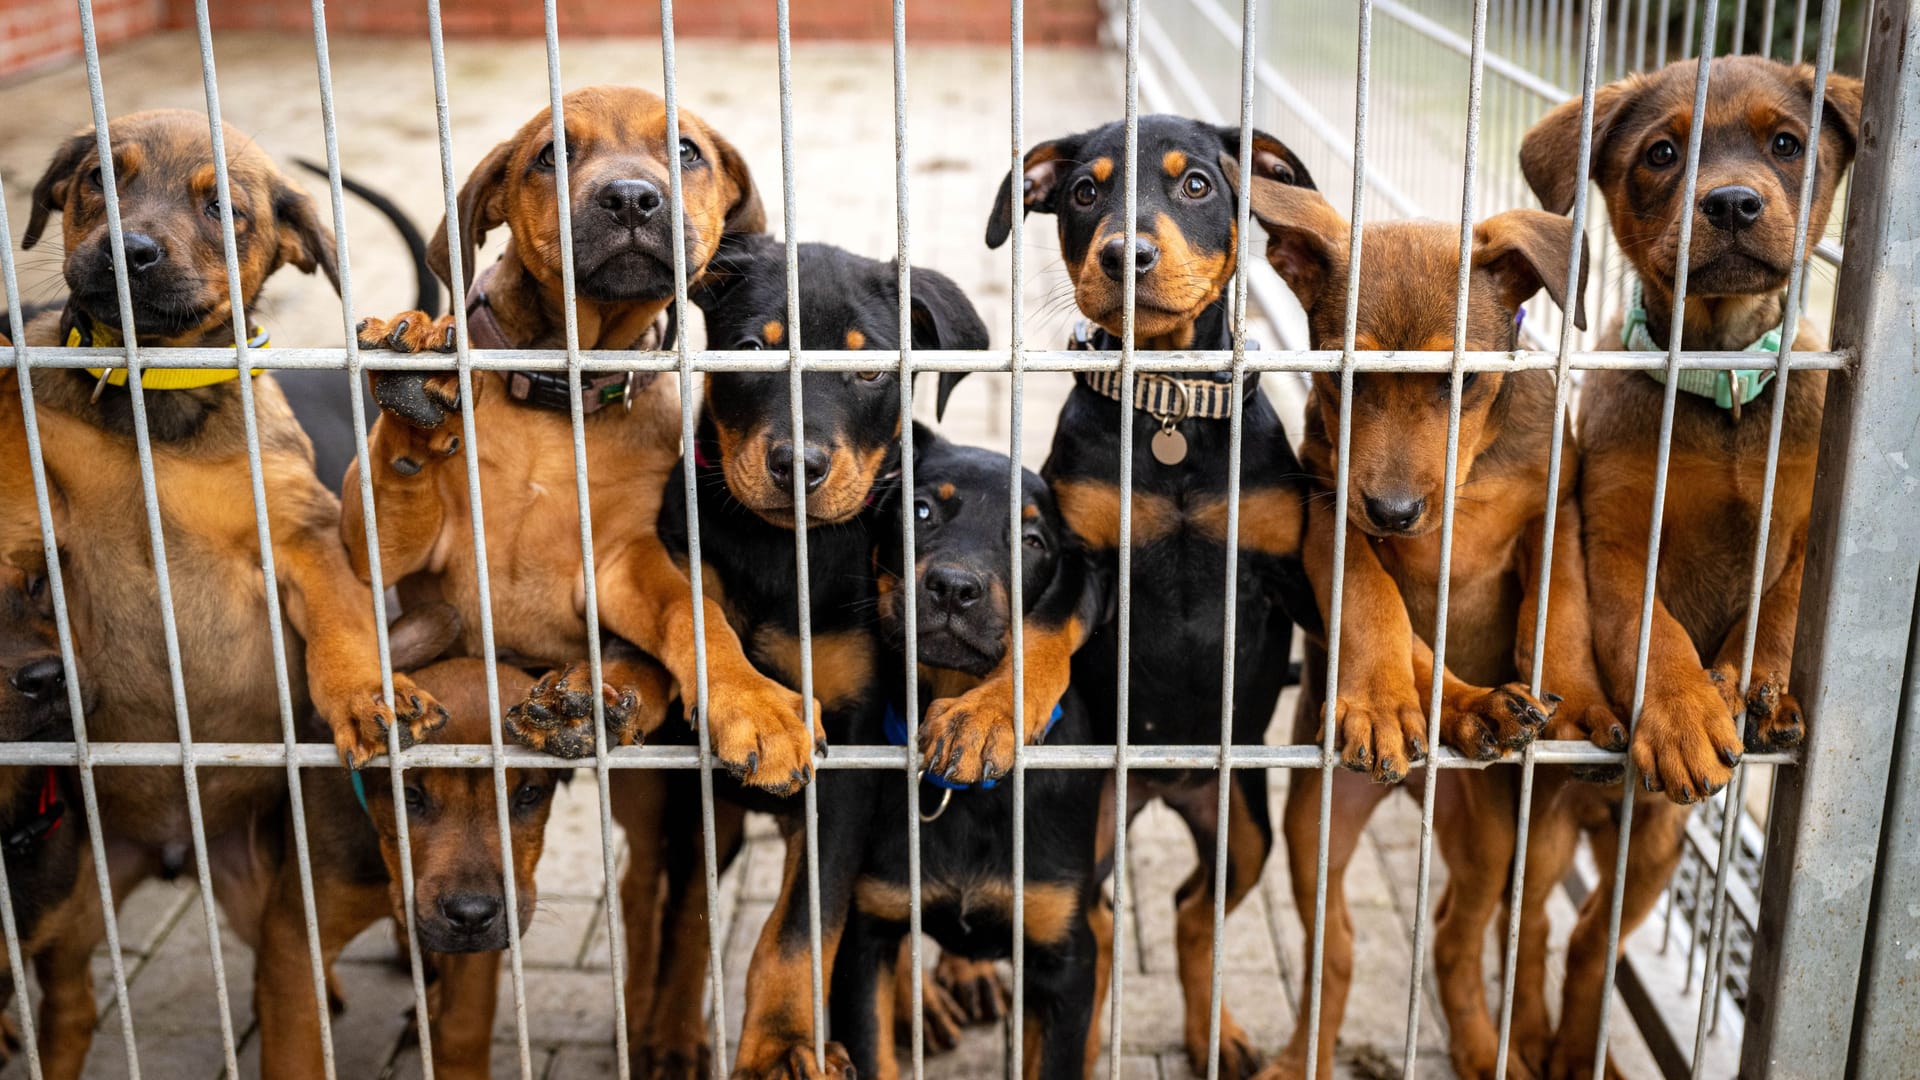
954, 589
42, 680
1733, 207
1113, 257
1394, 512
471, 913
143, 252
632, 203
815, 460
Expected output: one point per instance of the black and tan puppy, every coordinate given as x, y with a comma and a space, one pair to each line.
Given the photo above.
164, 170
460, 915
1184, 259
748, 458
1754, 153
1397, 484
961, 571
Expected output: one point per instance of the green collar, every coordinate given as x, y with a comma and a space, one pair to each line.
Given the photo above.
1727, 389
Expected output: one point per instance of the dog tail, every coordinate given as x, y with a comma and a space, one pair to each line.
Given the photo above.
426, 286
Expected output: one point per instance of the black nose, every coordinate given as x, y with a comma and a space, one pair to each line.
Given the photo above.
143, 252
953, 588
43, 679
1395, 512
1733, 207
780, 465
1113, 257
631, 202
470, 912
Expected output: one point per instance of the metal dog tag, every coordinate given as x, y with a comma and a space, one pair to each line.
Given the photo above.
1169, 446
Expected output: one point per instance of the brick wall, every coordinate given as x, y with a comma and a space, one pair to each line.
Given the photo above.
40, 33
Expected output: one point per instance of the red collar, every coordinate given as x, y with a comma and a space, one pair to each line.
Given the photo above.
49, 811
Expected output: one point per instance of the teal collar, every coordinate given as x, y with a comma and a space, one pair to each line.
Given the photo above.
359, 789
1727, 389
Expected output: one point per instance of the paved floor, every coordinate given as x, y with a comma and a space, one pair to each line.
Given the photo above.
844, 175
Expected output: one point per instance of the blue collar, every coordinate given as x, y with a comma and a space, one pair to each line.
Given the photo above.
897, 735
359, 789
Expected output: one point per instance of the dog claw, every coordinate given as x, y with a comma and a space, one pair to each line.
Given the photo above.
1552, 698
1729, 756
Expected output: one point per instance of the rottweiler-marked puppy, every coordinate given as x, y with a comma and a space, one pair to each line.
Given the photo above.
1753, 156
962, 562
747, 457
459, 902
1184, 259
56, 905
1396, 466
175, 265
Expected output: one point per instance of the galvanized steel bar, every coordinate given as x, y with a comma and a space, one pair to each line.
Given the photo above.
156, 539
1016, 575
263, 531
483, 588
1856, 601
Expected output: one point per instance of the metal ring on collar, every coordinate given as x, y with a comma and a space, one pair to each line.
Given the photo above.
1169, 421
946, 796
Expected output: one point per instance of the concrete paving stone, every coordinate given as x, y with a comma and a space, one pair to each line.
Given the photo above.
583, 1063
572, 864
147, 915
562, 1007
173, 991
559, 932
506, 1062
378, 1019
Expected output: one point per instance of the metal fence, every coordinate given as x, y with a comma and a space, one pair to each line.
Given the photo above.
1825, 912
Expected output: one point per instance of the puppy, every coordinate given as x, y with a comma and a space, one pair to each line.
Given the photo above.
1754, 154
175, 268
1396, 464
459, 903
962, 564
1184, 259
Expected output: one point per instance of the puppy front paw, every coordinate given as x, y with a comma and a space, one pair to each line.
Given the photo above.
795, 1062
970, 738
762, 732
1485, 724
557, 716
1588, 717
1686, 744
361, 720
1383, 733
1775, 720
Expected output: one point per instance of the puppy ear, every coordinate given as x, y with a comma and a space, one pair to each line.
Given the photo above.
1043, 168
1306, 237
924, 439
50, 193
949, 380
1550, 152
483, 206
732, 261
745, 214
1524, 251
943, 317
306, 243
1271, 158
1844, 100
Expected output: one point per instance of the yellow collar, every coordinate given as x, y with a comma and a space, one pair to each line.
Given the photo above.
87, 333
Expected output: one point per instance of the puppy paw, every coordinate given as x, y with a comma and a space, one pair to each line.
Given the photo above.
796, 1062
673, 1063
1384, 735
1775, 720
361, 720
970, 738
407, 332
1588, 717
1238, 1059
763, 733
1686, 744
975, 985
557, 716
1485, 724
945, 1019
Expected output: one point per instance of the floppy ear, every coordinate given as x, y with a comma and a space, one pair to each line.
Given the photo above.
1844, 94
1550, 152
1527, 250
1271, 158
483, 206
943, 317
1306, 237
744, 212
924, 439
1044, 166
50, 193
305, 242
732, 261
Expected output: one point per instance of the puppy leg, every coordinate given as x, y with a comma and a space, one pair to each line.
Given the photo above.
1774, 717
863, 1003
1100, 923
65, 971
1552, 838
1570, 679
1248, 841
283, 973
1060, 991
469, 990
1476, 829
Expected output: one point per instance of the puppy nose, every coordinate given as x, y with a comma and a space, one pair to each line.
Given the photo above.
470, 912
631, 202
1395, 512
816, 461
42, 679
1733, 208
143, 252
1113, 257
953, 589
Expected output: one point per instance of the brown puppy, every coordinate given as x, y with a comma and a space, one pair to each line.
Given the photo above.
458, 892
623, 252
1752, 161
165, 175
1396, 466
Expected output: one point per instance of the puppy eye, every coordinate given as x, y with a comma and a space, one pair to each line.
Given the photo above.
870, 376
1467, 379
212, 209
416, 801
1283, 172
528, 796
1196, 186
1085, 192
36, 587
1035, 541
749, 345
544, 159
94, 179
1662, 154
922, 509
1787, 146
689, 152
